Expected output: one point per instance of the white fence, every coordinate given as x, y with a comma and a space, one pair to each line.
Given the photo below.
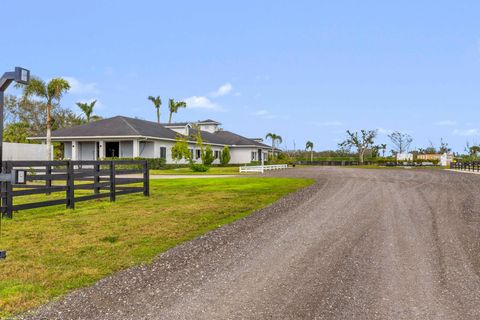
262, 169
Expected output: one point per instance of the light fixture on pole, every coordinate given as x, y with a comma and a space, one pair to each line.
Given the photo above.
22, 76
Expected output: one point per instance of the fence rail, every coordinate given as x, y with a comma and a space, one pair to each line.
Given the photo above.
466, 166
262, 169
68, 182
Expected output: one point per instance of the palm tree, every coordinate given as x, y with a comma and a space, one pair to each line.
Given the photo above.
309, 145
173, 107
87, 109
383, 147
274, 137
51, 92
157, 102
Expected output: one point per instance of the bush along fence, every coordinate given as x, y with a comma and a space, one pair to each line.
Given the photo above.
467, 166
48, 183
334, 163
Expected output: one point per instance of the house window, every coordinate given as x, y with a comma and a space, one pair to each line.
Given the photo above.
163, 152
199, 153
191, 153
254, 156
217, 154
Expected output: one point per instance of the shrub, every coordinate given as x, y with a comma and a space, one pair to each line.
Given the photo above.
225, 156
207, 157
199, 167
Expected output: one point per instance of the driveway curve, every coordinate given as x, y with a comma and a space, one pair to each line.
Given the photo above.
358, 244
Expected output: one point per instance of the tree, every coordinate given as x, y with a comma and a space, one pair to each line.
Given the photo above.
308, 146
443, 147
157, 102
401, 141
275, 138
474, 150
383, 147
51, 93
16, 132
87, 109
225, 156
361, 142
173, 107
181, 151
208, 158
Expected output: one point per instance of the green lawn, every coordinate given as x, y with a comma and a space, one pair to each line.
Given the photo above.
52, 251
186, 171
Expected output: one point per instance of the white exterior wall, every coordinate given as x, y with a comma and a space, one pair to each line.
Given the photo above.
147, 149
86, 150
67, 150
126, 149
24, 151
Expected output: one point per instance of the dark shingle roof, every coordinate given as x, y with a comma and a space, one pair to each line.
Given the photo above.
124, 126
117, 126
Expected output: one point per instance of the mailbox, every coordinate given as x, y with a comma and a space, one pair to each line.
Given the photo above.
3, 254
20, 177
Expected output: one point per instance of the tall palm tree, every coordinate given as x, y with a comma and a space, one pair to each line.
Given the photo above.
173, 107
157, 102
308, 146
51, 92
383, 147
274, 137
87, 109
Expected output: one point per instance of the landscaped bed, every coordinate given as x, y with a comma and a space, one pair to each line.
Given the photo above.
52, 251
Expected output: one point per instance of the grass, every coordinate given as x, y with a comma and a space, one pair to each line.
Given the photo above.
187, 171
52, 251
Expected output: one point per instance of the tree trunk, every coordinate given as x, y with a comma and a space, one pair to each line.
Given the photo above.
311, 155
360, 155
49, 133
158, 115
170, 120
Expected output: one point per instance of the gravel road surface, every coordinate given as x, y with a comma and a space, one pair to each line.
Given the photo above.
359, 244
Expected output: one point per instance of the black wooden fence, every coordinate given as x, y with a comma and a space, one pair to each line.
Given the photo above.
468, 166
52, 183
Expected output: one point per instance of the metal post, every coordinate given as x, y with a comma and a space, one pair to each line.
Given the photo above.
146, 179
112, 181
1, 125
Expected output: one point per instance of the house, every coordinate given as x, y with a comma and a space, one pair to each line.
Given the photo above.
125, 137
443, 159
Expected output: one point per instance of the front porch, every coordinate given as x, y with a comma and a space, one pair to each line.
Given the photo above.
101, 149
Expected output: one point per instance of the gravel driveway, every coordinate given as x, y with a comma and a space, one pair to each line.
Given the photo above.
359, 244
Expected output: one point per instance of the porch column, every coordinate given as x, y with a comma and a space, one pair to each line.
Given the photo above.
136, 148
101, 151
74, 150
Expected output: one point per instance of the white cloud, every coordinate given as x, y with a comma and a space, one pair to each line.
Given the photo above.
223, 90
384, 131
445, 123
466, 132
202, 102
261, 113
77, 87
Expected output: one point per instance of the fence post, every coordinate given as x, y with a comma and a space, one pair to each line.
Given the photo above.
112, 181
96, 179
48, 180
146, 179
6, 192
70, 185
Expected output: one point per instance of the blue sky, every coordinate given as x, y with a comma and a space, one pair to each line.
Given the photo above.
307, 70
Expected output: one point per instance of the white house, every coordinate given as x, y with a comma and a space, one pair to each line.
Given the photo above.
130, 138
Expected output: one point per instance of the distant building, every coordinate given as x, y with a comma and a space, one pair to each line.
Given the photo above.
443, 159
404, 157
